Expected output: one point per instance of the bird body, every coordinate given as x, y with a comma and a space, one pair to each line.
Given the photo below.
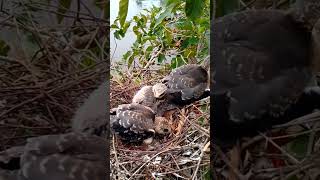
64, 157
150, 96
263, 62
187, 84
134, 123
91, 116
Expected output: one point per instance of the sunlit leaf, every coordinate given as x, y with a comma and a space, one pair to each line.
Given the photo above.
165, 14
123, 11
130, 60
126, 55
63, 7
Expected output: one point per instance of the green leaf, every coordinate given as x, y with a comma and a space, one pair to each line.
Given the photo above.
150, 48
176, 62
130, 60
194, 8
87, 62
165, 14
298, 147
123, 11
184, 24
226, 7
4, 48
189, 42
114, 26
64, 5
126, 55
161, 58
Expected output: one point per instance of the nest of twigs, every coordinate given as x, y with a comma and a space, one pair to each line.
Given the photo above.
41, 99
185, 154
39, 95
287, 151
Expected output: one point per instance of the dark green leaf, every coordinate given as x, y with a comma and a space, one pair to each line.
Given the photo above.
130, 60
194, 8
226, 7
189, 42
64, 6
298, 146
4, 48
161, 58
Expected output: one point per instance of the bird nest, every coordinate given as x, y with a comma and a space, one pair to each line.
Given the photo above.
184, 154
287, 151
39, 97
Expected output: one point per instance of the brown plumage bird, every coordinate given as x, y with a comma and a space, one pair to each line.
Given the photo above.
64, 157
136, 123
188, 83
151, 96
264, 60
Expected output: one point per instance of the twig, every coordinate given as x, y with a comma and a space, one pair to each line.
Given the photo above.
291, 158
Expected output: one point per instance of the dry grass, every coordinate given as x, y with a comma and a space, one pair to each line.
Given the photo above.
182, 155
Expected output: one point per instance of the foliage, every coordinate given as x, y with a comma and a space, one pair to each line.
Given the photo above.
226, 7
172, 34
4, 48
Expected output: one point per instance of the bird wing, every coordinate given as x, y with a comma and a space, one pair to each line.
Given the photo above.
135, 121
242, 53
264, 67
67, 156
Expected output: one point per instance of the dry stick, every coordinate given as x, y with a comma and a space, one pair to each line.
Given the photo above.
148, 162
291, 158
301, 120
22, 104
115, 151
312, 139
296, 134
152, 60
37, 97
206, 145
295, 172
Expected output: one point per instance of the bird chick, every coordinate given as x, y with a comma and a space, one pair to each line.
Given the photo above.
136, 123
150, 95
187, 84
63, 156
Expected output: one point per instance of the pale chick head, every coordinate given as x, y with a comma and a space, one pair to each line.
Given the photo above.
162, 126
159, 90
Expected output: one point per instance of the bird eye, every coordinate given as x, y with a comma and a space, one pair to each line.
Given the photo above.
166, 130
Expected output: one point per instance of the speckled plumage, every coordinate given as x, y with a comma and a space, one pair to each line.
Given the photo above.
150, 96
64, 157
263, 59
187, 83
134, 123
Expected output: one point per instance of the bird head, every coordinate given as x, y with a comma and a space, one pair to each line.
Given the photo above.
159, 90
162, 126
